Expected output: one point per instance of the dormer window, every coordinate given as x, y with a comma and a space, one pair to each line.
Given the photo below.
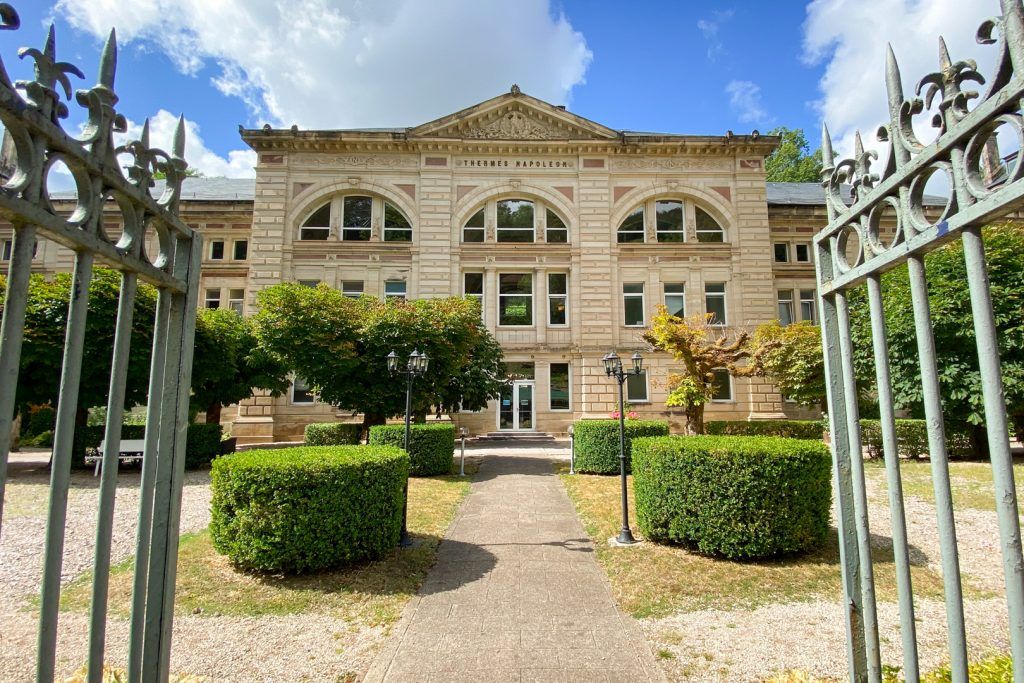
355, 216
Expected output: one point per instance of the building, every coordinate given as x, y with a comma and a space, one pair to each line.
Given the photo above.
570, 234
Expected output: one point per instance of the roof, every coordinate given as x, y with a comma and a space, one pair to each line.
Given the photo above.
813, 194
196, 189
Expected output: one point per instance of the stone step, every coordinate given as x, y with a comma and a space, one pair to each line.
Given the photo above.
515, 436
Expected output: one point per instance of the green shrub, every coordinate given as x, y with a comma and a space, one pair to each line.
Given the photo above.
597, 442
332, 434
792, 429
306, 509
912, 439
734, 496
40, 440
39, 419
202, 443
995, 669
431, 446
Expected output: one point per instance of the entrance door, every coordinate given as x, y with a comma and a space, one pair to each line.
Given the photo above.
515, 411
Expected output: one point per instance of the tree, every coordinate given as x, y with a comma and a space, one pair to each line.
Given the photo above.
339, 346
702, 350
792, 161
790, 357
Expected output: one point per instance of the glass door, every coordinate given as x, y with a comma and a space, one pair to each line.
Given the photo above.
515, 408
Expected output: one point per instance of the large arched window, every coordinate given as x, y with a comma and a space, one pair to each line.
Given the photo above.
355, 215
516, 220
708, 229
669, 220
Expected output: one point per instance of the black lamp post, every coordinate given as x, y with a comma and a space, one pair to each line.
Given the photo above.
415, 367
613, 368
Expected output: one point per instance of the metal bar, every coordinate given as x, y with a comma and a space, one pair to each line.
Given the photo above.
998, 441
900, 549
60, 466
940, 469
108, 483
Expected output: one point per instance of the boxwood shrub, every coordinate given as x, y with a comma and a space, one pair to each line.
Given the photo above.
793, 429
733, 496
332, 434
597, 442
202, 444
431, 446
306, 509
912, 439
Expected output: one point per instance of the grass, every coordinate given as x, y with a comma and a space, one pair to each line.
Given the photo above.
658, 580
368, 594
971, 482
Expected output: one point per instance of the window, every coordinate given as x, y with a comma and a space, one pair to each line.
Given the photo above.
515, 220
714, 302
309, 283
559, 390
394, 289
675, 299
217, 250
808, 311
632, 228
8, 244
236, 300
708, 229
782, 252
473, 231
633, 304
473, 288
803, 253
240, 250
558, 299
557, 233
786, 307
301, 392
353, 289
722, 385
355, 218
668, 215
212, 299
396, 226
318, 225
636, 388
515, 299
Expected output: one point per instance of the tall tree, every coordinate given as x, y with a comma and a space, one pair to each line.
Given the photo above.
792, 161
790, 357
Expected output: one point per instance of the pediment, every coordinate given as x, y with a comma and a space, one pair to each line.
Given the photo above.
514, 116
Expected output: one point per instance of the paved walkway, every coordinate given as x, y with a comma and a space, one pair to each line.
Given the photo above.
516, 594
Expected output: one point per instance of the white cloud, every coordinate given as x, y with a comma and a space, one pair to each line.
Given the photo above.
349, 63
238, 164
709, 28
745, 100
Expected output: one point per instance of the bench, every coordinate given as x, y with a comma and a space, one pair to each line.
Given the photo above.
131, 451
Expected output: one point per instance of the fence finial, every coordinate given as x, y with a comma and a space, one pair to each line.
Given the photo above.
108, 61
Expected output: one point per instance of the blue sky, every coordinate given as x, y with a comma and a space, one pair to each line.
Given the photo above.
698, 68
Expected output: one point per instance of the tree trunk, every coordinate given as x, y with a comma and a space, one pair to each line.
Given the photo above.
1018, 427
371, 419
81, 417
213, 413
979, 442
695, 419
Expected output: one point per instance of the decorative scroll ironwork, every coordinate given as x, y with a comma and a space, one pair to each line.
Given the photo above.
966, 122
31, 112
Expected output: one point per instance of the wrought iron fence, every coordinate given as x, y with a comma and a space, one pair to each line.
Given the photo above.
967, 123
31, 111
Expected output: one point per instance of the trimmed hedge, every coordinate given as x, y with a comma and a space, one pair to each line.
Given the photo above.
597, 442
332, 434
912, 439
306, 509
431, 446
202, 444
734, 496
791, 429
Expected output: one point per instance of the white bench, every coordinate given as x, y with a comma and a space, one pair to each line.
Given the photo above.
131, 451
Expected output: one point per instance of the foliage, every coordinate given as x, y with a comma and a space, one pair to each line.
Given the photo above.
702, 348
994, 669
332, 434
306, 509
40, 419
912, 439
431, 446
202, 442
597, 442
790, 357
339, 346
734, 496
40, 440
790, 429
792, 161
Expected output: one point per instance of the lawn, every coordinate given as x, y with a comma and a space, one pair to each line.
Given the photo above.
369, 594
658, 580
971, 482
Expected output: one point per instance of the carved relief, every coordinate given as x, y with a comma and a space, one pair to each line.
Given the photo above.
515, 126
672, 164
356, 160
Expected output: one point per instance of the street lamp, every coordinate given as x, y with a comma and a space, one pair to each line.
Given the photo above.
415, 367
613, 368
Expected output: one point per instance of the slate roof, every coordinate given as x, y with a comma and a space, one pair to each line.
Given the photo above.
813, 194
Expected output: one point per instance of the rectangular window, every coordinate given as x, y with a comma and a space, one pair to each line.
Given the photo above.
515, 299
786, 307
722, 387
808, 311
633, 304
217, 250
557, 233
515, 220
301, 393
782, 252
668, 216
803, 253
236, 300
473, 288
353, 289
8, 245
241, 250
212, 299
558, 299
714, 302
309, 283
559, 386
394, 289
355, 216
675, 299
636, 388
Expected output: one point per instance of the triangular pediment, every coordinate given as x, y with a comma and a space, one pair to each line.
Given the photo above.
514, 116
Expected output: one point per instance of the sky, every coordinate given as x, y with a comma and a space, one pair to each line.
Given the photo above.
699, 68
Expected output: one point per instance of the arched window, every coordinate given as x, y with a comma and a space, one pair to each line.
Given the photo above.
474, 228
669, 216
557, 232
632, 228
671, 221
396, 226
318, 225
356, 215
516, 221
708, 229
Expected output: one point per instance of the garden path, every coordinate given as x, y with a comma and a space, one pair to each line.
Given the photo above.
516, 594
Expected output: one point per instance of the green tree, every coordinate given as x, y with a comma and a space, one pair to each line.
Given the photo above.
790, 357
792, 161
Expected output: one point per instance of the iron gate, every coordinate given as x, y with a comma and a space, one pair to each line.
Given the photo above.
964, 133
31, 112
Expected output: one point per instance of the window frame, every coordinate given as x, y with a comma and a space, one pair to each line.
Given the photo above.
531, 296
533, 222
351, 293
234, 250
554, 296
207, 298
812, 300
7, 250
681, 294
312, 283
568, 387
318, 228
658, 232
548, 211
385, 205
404, 296
784, 297
232, 300
647, 387
474, 295
643, 303
482, 228
719, 229
223, 250
724, 295
729, 384
305, 388
343, 228
775, 252
642, 208
796, 252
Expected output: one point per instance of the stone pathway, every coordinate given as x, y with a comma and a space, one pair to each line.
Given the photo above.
516, 594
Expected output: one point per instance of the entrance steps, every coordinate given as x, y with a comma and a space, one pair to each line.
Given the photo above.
513, 438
